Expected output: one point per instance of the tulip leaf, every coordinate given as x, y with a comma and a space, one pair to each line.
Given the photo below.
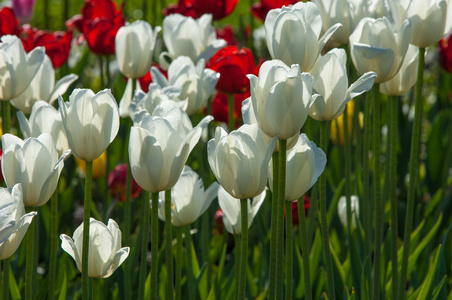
63, 290
426, 285
333, 206
435, 150
13, 289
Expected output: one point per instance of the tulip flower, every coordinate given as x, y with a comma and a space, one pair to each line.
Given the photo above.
91, 122
189, 199
44, 118
43, 87
233, 65
295, 216
196, 82
445, 53
230, 206
134, 48
374, 46
227, 33
13, 220
9, 23
105, 252
159, 146
281, 98
117, 183
185, 36
330, 82
99, 22
342, 209
292, 34
17, 69
220, 107
196, 8
405, 78
34, 163
305, 163
246, 154
23, 10
261, 9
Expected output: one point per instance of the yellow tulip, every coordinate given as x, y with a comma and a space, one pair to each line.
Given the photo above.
99, 165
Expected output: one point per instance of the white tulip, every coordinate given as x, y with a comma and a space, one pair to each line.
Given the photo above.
342, 209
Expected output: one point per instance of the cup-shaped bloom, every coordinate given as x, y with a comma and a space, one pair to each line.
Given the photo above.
330, 82
305, 163
35, 164
43, 87
17, 68
13, 220
196, 83
232, 217
342, 209
185, 36
134, 48
117, 183
405, 79
292, 34
239, 160
281, 98
374, 46
105, 253
428, 21
189, 199
91, 122
44, 118
159, 145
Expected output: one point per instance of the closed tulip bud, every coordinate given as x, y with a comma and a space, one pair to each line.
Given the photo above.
230, 206
305, 163
342, 209
281, 98
293, 33
17, 68
91, 122
35, 164
189, 199
330, 81
134, 48
105, 253
13, 220
246, 154
374, 46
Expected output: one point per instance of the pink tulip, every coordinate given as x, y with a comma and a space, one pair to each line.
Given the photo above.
23, 10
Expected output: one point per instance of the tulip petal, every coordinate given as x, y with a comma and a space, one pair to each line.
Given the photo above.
61, 87
8, 247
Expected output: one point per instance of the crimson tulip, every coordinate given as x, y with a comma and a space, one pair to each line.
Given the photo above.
306, 203
196, 8
445, 53
8, 22
117, 183
260, 10
220, 107
227, 33
99, 22
146, 80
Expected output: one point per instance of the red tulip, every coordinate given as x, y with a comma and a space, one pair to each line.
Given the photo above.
8, 22
220, 107
445, 53
233, 65
183, 7
260, 10
196, 8
146, 80
307, 204
99, 22
1, 173
218, 225
117, 183
227, 33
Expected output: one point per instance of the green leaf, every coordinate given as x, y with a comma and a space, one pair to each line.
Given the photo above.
13, 289
426, 286
63, 290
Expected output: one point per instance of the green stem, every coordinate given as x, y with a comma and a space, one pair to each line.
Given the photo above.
107, 71
5, 279
86, 220
323, 216
274, 232
29, 273
243, 248
289, 251
53, 244
414, 165
280, 220
145, 220
377, 196
178, 274
231, 108
238, 259
6, 116
305, 249
126, 231
154, 244
96, 284
392, 191
169, 245
190, 278
101, 69
348, 188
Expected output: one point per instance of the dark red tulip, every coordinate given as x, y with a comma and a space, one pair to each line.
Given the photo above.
295, 217
99, 22
8, 22
1, 173
117, 183
445, 53
196, 8
260, 9
146, 80
220, 107
233, 65
183, 7
227, 33
218, 225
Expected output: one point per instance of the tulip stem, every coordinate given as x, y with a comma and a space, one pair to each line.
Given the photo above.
243, 248
289, 250
29, 273
280, 219
154, 243
231, 108
190, 279
6, 116
305, 249
392, 191
238, 257
127, 222
101, 69
144, 249
323, 216
169, 246
273, 238
178, 274
414, 165
5, 279
377, 195
96, 284
86, 215
53, 244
